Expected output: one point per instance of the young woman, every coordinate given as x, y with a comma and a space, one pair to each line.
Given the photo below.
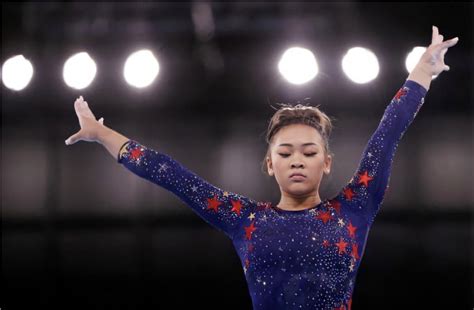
304, 252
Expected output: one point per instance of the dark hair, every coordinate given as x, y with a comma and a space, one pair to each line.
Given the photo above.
298, 114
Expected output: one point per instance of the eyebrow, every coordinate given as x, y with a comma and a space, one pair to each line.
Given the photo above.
291, 145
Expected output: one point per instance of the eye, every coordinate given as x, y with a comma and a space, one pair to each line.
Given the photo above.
286, 155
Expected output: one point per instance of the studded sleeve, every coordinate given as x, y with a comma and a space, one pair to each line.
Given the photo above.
367, 187
221, 209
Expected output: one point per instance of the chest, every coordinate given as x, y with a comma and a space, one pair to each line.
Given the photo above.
319, 239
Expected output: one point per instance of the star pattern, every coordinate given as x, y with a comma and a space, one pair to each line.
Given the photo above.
341, 245
400, 93
236, 206
325, 216
213, 204
365, 178
351, 230
249, 230
304, 259
336, 205
348, 193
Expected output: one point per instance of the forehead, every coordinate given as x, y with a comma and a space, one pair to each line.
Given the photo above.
297, 135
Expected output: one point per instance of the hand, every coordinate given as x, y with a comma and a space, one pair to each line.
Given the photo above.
432, 60
90, 127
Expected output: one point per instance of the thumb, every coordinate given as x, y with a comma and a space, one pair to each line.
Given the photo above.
72, 139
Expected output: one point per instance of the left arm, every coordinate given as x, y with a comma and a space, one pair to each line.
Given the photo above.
370, 182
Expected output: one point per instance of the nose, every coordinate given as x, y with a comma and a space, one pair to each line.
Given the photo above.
296, 165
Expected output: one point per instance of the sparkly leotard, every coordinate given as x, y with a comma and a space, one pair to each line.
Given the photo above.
306, 259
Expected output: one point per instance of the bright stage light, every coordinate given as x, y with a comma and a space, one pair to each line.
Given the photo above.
298, 65
79, 70
141, 68
17, 72
360, 65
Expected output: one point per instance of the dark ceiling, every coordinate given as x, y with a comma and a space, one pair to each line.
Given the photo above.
212, 53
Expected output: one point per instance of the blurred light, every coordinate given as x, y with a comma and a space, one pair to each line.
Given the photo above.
360, 65
141, 68
298, 65
79, 70
414, 57
17, 72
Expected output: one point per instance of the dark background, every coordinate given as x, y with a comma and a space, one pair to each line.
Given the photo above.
81, 232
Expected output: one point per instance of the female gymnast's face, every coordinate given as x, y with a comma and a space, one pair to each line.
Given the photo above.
298, 148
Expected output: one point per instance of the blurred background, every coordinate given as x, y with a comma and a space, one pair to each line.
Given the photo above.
81, 231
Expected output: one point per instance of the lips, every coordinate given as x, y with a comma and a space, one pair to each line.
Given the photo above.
297, 174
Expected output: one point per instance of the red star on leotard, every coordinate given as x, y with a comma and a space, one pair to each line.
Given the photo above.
355, 250
336, 205
400, 93
324, 216
213, 203
136, 153
352, 230
236, 205
341, 245
249, 230
348, 193
365, 178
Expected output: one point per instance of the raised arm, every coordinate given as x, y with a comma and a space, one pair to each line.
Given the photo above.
368, 185
222, 209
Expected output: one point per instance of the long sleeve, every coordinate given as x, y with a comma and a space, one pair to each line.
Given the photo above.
223, 210
368, 185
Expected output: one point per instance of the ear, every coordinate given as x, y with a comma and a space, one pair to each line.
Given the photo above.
269, 166
327, 164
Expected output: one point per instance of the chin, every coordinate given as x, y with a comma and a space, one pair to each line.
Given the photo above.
301, 190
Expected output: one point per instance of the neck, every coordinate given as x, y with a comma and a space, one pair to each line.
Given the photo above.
298, 203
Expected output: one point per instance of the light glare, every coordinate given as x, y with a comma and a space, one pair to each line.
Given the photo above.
17, 73
298, 65
79, 70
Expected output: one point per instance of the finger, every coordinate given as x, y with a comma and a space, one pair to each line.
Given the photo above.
82, 108
440, 38
87, 110
434, 34
453, 41
447, 44
446, 68
77, 107
72, 139
101, 120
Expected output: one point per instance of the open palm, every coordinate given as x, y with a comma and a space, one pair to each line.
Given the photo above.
89, 125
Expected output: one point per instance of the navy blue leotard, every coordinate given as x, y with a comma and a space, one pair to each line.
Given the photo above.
306, 259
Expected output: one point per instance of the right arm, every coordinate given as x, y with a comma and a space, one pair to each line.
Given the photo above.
223, 210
